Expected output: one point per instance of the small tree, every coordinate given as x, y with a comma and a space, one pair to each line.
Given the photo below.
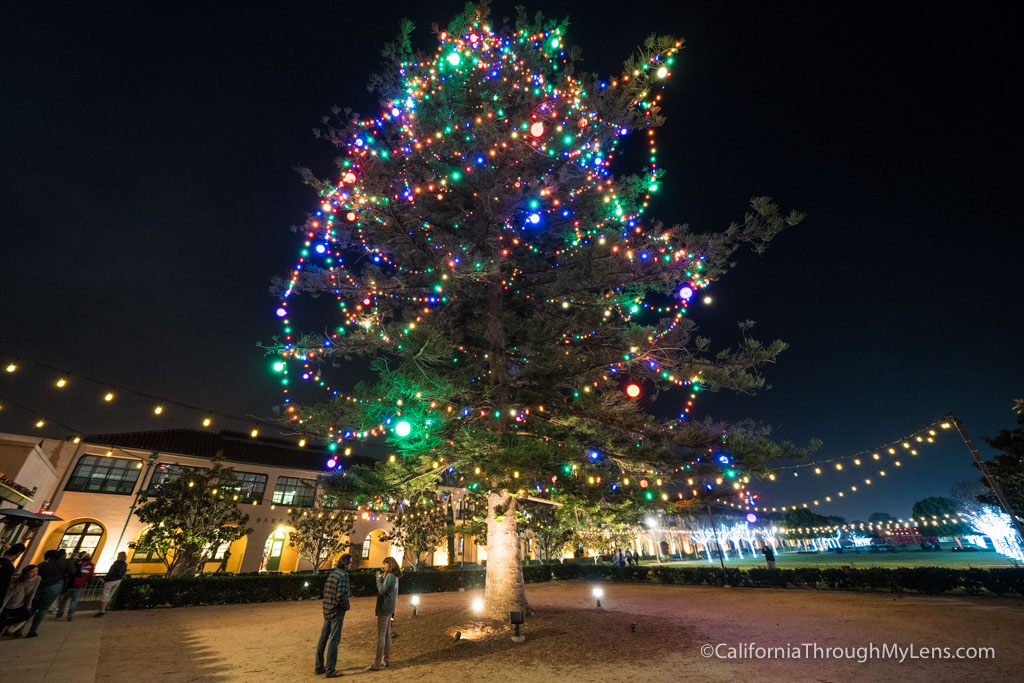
321, 532
804, 525
549, 530
939, 507
1007, 468
600, 525
191, 518
419, 528
880, 518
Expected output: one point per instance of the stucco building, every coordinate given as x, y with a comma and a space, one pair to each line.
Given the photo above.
85, 493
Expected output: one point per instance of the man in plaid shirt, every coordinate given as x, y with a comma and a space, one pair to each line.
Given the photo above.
336, 594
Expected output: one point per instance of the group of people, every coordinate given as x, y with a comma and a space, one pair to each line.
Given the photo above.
336, 603
625, 559
26, 598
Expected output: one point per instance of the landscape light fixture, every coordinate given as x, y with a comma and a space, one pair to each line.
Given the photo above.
517, 619
478, 605
415, 602
598, 593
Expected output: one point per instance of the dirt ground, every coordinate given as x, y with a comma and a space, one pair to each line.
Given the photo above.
642, 633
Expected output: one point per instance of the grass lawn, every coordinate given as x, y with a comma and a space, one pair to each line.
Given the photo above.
911, 558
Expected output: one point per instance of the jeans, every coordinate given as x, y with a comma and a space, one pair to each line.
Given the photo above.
383, 641
44, 598
74, 594
330, 636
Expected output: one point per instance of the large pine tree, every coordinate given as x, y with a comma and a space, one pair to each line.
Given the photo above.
520, 311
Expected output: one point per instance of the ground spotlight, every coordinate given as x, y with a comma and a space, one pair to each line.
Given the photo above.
478, 605
516, 618
415, 602
598, 593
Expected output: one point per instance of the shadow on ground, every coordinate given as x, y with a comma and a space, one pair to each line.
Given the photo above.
193, 658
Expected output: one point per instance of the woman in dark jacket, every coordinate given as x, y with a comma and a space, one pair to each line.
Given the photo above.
387, 599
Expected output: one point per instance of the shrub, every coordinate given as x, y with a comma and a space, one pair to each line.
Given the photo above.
225, 589
535, 573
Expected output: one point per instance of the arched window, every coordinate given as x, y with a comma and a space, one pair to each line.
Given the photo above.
82, 536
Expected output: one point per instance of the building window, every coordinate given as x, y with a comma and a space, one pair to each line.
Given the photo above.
102, 474
294, 491
366, 547
248, 486
167, 472
145, 556
84, 536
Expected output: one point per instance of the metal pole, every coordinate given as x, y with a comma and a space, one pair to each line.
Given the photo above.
721, 559
988, 477
145, 478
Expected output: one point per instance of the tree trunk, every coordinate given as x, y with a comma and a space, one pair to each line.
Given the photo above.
504, 591
451, 533
186, 562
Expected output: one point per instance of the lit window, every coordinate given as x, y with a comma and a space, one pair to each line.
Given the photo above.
101, 474
85, 536
294, 491
248, 485
167, 472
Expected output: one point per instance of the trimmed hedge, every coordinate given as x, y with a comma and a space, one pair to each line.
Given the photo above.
930, 580
226, 589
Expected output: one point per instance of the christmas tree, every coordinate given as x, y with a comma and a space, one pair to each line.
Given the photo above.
519, 310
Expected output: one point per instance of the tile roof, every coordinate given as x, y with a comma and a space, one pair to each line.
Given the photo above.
235, 447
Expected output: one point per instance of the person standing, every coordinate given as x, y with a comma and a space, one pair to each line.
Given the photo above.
51, 582
10, 556
112, 580
70, 572
769, 555
77, 587
336, 594
387, 602
629, 557
17, 604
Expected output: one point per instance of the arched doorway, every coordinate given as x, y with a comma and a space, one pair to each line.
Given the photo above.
375, 549
273, 550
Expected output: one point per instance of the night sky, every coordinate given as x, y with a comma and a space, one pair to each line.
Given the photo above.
147, 190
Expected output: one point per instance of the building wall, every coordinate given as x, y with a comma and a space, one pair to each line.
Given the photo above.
115, 513
24, 460
34, 464
49, 464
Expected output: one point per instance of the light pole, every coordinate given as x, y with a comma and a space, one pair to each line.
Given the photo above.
135, 501
984, 470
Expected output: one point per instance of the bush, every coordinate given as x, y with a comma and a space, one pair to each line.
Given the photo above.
226, 589
534, 573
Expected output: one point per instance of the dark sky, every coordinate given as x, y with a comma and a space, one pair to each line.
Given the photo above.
146, 194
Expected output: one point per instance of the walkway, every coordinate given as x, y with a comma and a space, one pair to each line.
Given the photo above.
643, 634
63, 651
